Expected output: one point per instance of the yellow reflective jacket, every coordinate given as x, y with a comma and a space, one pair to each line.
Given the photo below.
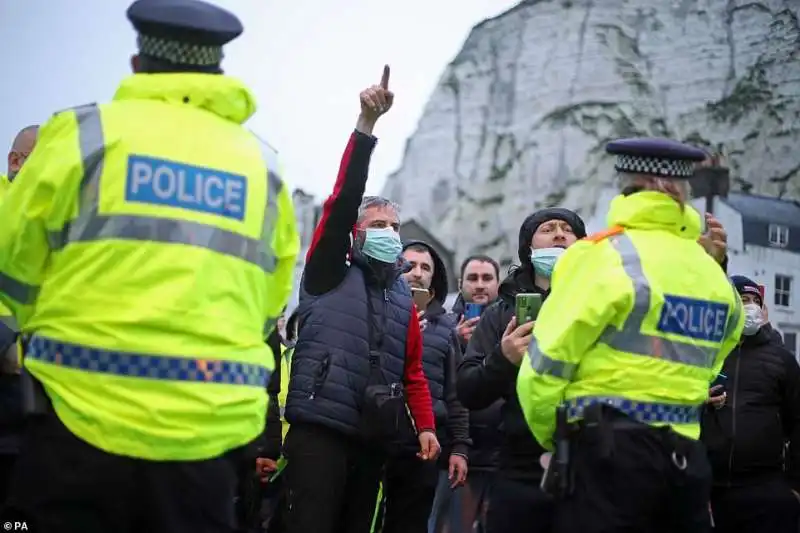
639, 317
149, 248
5, 183
5, 313
286, 365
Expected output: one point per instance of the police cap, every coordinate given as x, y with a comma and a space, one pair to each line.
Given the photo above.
664, 158
183, 32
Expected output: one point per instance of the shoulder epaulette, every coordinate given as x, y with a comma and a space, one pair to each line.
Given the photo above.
75, 108
604, 234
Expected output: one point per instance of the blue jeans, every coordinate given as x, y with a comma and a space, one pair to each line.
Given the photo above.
462, 510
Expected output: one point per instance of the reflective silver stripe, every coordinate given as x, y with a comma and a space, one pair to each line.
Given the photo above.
542, 364
92, 226
10, 322
630, 338
18, 290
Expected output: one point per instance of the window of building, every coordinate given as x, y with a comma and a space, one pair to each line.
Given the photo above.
790, 341
783, 290
778, 235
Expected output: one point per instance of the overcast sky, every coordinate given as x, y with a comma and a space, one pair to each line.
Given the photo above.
306, 61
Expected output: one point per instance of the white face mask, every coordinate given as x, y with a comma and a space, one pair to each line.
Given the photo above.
753, 319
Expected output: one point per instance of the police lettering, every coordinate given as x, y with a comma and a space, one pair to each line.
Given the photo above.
697, 319
157, 181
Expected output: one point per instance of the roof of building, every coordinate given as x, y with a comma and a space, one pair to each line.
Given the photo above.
765, 208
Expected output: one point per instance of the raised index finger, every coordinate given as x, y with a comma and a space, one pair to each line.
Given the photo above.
385, 78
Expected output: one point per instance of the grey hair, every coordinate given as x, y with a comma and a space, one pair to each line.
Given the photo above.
375, 201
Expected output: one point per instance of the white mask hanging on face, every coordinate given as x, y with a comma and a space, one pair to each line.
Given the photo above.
753, 319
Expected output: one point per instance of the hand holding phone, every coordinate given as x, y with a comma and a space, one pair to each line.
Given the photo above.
527, 307
421, 297
472, 310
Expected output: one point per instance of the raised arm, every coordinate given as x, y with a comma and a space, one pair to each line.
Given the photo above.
325, 262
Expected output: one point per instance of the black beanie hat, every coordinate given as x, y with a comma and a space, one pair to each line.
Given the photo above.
745, 285
532, 223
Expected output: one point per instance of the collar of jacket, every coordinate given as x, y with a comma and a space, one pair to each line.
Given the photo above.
650, 210
224, 96
763, 336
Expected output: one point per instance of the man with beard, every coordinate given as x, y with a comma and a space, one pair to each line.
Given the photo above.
410, 484
478, 284
490, 367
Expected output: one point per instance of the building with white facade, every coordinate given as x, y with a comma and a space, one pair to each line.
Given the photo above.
764, 245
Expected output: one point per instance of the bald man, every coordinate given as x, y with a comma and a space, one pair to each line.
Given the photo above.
20, 150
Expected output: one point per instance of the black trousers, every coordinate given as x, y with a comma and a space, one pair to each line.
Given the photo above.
331, 481
409, 487
517, 507
629, 482
62, 484
768, 507
7, 462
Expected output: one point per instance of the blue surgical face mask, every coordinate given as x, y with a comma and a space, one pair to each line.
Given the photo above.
544, 259
382, 244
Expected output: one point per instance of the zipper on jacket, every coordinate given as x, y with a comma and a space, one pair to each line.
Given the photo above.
322, 374
733, 424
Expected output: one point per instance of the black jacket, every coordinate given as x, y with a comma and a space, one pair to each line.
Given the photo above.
485, 425
269, 444
486, 376
440, 358
746, 438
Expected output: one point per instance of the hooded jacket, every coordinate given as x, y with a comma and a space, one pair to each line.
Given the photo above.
441, 356
746, 437
486, 376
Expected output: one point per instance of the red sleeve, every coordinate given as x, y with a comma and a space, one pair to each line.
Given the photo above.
418, 394
325, 261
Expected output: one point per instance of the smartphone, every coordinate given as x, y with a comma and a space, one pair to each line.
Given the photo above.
421, 297
472, 310
721, 379
527, 307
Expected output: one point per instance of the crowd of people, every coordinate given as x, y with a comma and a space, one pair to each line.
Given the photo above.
152, 380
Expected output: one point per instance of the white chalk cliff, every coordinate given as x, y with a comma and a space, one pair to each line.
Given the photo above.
520, 117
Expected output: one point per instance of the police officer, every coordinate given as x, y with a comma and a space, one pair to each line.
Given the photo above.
147, 246
638, 324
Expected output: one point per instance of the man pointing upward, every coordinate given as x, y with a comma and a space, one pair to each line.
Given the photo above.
356, 318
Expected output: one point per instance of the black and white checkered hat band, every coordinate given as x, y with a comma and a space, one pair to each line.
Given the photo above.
180, 53
656, 166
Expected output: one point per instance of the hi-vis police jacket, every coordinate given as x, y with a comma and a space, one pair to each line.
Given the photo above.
639, 317
147, 245
6, 316
5, 313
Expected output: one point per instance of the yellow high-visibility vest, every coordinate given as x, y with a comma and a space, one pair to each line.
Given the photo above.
639, 317
148, 246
